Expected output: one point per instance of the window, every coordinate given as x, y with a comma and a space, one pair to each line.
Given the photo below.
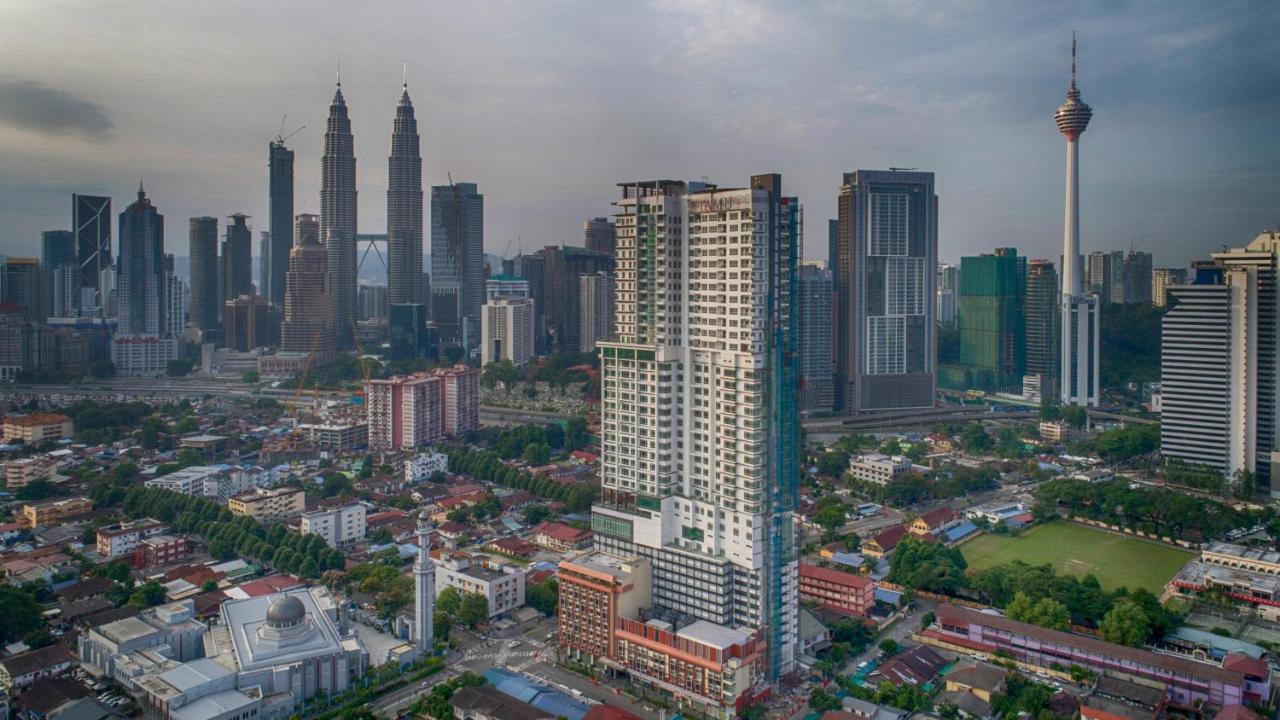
889, 224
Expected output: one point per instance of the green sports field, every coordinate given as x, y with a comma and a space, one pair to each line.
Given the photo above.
1116, 560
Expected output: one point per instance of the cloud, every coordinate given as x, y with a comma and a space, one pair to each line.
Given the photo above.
33, 106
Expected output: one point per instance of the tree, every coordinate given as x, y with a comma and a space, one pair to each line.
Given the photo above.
1075, 415
250, 377
889, 646
833, 463
974, 439
575, 434
37, 489
449, 600
473, 610
544, 596
1045, 612
537, 454
208, 586
831, 517
535, 514
1125, 623
103, 370
147, 595
822, 701
929, 566
19, 614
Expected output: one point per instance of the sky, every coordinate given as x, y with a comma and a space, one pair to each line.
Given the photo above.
548, 104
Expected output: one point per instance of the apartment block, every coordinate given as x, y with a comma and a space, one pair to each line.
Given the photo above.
122, 539
268, 506
53, 512
408, 411
340, 526
878, 469
37, 428
501, 583
841, 591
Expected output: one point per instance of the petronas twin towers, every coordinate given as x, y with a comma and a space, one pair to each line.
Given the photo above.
405, 278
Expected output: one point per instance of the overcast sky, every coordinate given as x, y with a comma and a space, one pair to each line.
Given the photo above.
547, 104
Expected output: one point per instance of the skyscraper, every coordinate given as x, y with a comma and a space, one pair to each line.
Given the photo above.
280, 215
1080, 344
596, 310
308, 317
457, 262
817, 388
1137, 277
1042, 334
1161, 280
306, 229
1103, 273
91, 223
506, 330
888, 254
700, 422
203, 250
20, 285
237, 258
563, 266
57, 253
599, 235
338, 216
948, 295
174, 300
992, 340
404, 208
141, 346
833, 247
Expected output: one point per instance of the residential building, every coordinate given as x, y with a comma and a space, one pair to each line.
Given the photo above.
121, 539
21, 472
596, 312
1162, 279
24, 669
422, 466
533, 269
1189, 682
948, 295
1080, 342
269, 505
457, 262
91, 224
699, 417
338, 219
340, 526
559, 537
992, 331
1218, 365
340, 435
372, 303
933, 521
160, 550
888, 252
1104, 274
237, 258
174, 301
508, 286
815, 316
408, 411
599, 235
275, 261
20, 284
404, 208
246, 323
916, 666
219, 482
205, 288
506, 331
53, 512
842, 591
501, 583
139, 346
38, 428
485, 702
1041, 332
878, 469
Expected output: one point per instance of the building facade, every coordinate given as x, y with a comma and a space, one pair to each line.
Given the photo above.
246, 323
20, 284
308, 315
339, 526
992, 339
58, 260
91, 223
698, 412
275, 261
1161, 280
888, 251
141, 345
237, 258
501, 583
816, 315
596, 311
1040, 315
408, 411
268, 506
561, 290
599, 235
845, 592
506, 331
457, 262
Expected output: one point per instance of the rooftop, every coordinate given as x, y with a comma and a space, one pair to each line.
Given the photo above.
709, 633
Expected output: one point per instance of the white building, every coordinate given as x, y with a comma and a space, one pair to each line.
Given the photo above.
338, 526
212, 481
502, 584
421, 466
121, 540
506, 331
507, 286
143, 355
596, 311
699, 410
168, 632
878, 469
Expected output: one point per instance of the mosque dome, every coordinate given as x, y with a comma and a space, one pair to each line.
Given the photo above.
285, 611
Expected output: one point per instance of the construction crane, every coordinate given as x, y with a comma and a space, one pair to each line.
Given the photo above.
302, 380
280, 136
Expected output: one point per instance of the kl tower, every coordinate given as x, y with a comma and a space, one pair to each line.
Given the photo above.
1078, 376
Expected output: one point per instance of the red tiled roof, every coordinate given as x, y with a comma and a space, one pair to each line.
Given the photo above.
1236, 712
938, 516
269, 585
608, 712
1247, 665
561, 532
889, 539
834, 576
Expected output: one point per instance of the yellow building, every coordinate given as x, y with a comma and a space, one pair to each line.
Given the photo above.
53, 512
272, 505
37, 428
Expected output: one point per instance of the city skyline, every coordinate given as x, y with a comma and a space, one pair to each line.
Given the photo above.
1149, 158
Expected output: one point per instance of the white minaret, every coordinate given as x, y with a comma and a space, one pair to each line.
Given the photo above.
1078, 377
424, 579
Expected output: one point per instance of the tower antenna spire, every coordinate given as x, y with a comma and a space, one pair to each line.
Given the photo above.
1073, 59
404, 74
339, 76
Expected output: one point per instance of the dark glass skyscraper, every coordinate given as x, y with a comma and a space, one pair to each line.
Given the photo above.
887, 257
57, 254
204, 309
457, 262
404, 208
91, 223
140, 283
237, 259
276, 261
1041, 316
992, 342
338, 216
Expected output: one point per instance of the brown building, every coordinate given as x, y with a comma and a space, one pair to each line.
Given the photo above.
842, 591
246, 323
594, 592
267, 506
37, 428
53, 512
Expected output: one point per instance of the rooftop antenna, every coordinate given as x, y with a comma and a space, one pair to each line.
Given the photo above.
1073, 59
339, 77
450, 176
404, 74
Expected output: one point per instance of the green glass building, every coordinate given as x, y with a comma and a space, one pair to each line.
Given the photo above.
993, 345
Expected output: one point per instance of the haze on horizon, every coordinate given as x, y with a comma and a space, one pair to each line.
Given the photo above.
548, 105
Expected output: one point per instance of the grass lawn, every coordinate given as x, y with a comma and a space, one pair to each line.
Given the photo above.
1116, 560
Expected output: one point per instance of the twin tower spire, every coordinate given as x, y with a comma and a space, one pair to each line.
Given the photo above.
406, 282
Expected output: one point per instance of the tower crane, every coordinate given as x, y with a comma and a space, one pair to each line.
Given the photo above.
280, 136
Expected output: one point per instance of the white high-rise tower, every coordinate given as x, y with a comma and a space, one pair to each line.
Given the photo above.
1080, 329
424, 587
